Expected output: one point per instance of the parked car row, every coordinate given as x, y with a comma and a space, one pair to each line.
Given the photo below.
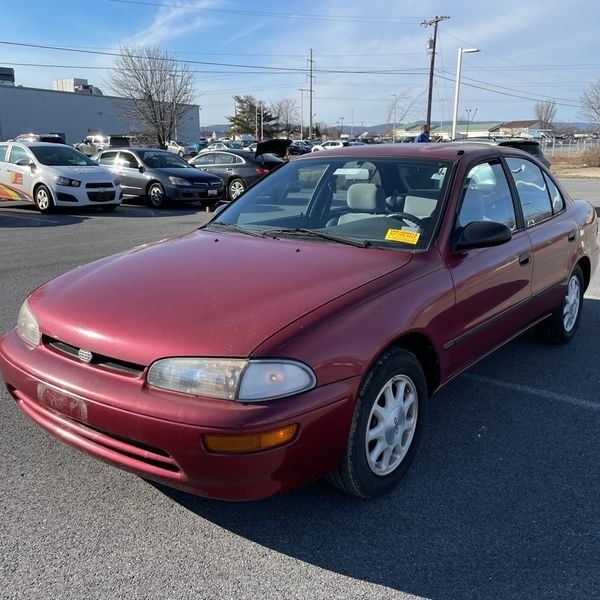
157, 175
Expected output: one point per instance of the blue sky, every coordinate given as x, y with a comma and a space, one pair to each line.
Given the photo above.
530, 49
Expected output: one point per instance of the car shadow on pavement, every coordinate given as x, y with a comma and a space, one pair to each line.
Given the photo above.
28, 216
501, 501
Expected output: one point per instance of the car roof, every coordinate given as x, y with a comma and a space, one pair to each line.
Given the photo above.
35, 144
451, 151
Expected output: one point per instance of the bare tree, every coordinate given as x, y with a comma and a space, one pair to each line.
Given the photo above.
590, 103
545, 112
159, 89
287, 115
401, 107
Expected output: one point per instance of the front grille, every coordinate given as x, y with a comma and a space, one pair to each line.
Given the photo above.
200, 184
216, 183
99, 185
101, 196
99, 360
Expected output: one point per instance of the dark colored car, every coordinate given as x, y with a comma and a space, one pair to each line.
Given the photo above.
298, 148
532, 147
238, 169
301, 332
160, 176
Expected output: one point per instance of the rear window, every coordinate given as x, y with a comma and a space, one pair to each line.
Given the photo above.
533, 149
119, 141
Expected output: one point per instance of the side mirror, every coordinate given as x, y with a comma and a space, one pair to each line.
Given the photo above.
219, 209
141, 168
25, 162
482, 234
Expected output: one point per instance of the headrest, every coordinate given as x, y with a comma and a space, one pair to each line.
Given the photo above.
364, 196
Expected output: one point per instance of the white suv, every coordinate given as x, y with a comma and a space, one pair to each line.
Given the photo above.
53, 175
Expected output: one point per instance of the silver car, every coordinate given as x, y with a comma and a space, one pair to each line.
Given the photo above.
52, 175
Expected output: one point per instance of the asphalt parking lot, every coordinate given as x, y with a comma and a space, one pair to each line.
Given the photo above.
501, 502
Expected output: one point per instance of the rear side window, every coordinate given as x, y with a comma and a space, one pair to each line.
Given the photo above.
224, 159
532, 190
487, 197
556, 198
3, 149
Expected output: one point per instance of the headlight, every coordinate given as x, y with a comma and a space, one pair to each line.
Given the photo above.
232, 379
27, 326
179, 181
66, 181
116, 181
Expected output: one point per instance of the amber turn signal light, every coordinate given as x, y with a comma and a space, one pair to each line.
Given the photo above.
255, 442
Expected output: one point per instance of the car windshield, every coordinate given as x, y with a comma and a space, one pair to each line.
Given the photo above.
61, 156
383, 202
157, 159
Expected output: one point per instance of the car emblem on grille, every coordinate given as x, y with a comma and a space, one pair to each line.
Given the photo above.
85, 355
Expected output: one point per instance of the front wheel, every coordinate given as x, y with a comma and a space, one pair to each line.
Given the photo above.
43, 200
156, 196
562, 324
235, 188
386, 427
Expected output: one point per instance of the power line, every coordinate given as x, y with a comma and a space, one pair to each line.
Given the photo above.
276, 15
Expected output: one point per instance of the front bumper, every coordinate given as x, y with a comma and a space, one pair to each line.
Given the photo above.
194, 193
87, 194
158, 436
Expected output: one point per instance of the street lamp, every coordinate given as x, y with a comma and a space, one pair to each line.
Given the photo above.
342, 124
461, 51
352, 123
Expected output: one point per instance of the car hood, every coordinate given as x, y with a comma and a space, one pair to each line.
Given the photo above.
189, 174
91, 173
202, 294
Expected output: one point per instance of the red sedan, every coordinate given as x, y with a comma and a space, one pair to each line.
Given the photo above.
301, 332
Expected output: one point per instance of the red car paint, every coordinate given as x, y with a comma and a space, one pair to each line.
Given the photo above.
335, 308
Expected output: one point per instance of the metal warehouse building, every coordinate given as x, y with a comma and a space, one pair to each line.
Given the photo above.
25, 110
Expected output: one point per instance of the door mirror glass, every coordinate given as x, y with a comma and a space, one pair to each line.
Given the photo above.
24, 162
482, 234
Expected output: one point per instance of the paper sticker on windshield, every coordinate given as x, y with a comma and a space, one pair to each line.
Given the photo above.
400, 235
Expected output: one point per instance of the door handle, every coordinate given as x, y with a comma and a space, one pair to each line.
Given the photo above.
524, 259
229, 169
572, 235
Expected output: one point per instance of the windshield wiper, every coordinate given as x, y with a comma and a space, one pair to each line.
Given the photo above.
300, 231
232, 227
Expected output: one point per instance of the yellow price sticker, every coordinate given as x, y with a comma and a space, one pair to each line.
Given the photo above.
400, 235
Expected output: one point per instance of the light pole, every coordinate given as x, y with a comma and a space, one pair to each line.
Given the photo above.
461, 51
342, 126
352, 123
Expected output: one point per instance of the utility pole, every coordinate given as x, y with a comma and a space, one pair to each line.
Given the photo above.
302, 90
262, 122
429, 23
311, 78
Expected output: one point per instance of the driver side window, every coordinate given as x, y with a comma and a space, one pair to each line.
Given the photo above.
486, 196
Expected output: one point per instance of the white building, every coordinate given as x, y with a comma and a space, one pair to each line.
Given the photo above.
33, 110
76, 86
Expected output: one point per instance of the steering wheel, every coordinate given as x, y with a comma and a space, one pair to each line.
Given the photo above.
408, 217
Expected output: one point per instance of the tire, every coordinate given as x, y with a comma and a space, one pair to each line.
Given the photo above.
235, 188
382, 440
156, 196
43, 200
562, 324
